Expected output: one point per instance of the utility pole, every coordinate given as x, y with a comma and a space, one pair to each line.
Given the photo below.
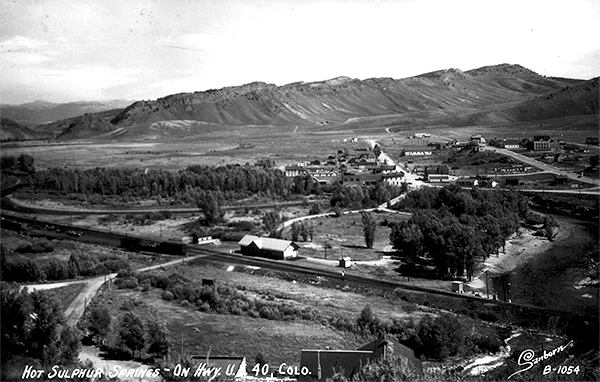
487, 289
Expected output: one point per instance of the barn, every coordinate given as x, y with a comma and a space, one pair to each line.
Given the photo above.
277, 249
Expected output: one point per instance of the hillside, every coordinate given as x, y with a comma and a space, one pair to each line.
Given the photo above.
42, 112
85, 126
485, 96
582, 98
13, 131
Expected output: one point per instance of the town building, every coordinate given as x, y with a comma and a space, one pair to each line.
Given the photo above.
277, 249
440, 178
467, 182
394, 178
512, 144
417, 151
354, 178
478, 139
543, 143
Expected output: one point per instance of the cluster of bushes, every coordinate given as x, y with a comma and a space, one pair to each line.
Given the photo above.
79, 264
38, 246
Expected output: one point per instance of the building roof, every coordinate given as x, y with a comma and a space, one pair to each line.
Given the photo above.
417, 148
267, 243
386, 346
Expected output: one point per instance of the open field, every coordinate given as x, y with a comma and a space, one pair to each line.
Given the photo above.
283, 144
343, 236
280, 341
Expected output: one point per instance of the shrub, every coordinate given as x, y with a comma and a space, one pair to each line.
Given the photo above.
167, 296
204, 307
126, 283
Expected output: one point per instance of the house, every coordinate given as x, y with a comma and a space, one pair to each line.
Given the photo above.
512, 144
323, 364
439, 169
278, 249
478, 139
295, 170
439, 178
467, 182
419, 170
394, 178
458, 287
354, 178
561, 180
417, 150
345, 262
209, 366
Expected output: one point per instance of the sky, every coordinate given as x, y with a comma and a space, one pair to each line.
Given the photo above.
70, 50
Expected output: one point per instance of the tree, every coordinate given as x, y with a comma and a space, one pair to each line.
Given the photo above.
47, 320
210, 208
377, 151
271, 221
441, 338
369, 227
100, 319
25, 162
157, 337
131, 332
594, 160
296, 229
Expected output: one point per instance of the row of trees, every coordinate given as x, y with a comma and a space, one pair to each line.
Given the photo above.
231, 181
454, 227
205, 186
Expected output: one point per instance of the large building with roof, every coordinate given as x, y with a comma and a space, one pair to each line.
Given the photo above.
278, 249
323, 364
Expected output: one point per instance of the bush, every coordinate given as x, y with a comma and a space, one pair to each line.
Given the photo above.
487, 344
126, 283
167, 296
35, 247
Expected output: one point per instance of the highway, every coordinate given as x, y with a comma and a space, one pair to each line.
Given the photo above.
123, 211
543, 166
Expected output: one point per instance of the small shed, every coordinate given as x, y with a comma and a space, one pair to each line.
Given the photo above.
458, 287
345, 262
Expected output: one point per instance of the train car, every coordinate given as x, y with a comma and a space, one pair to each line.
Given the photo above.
11, 225
173, 248
131, 243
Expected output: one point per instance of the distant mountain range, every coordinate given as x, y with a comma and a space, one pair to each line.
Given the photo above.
42, 112
499, 94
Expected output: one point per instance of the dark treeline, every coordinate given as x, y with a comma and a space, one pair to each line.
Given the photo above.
232, 182
452, 228
187, 186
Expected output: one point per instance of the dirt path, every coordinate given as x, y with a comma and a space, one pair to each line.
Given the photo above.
75, 310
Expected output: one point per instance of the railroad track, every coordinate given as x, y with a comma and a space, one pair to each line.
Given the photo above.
114, 239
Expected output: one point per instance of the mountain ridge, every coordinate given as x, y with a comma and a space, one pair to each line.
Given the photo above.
489, 95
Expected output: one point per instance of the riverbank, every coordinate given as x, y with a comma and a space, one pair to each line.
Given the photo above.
547, 273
